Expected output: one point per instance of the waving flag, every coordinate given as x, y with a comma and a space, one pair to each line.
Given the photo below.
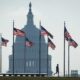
4, 42
18, 32
66, 34
28, 43
72, 43
45, 32
51, 44
68, 37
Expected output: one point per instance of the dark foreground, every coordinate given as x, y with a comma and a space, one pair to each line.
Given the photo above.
37, 78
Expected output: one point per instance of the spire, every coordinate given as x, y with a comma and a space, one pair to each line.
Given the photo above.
30, 16
30, 5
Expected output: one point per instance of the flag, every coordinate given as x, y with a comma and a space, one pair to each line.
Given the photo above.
66, 34
45, 32
72, 43
69, 38
28, 43
51, 44
4, 42
18, 32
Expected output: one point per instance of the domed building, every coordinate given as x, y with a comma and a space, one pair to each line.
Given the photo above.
32, 60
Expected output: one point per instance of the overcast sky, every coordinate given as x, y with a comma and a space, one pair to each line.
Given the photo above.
52, 14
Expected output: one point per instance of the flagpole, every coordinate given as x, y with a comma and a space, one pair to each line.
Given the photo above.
13, 47
24, 53
47, 55
0, 53
40, 50
68, 58
64, 52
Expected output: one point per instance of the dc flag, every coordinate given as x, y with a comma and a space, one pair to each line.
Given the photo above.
4, 42
45, 32
72, 43
28, 42
51, 44
18, 32
66, 34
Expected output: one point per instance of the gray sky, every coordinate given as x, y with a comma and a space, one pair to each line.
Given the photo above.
52, 14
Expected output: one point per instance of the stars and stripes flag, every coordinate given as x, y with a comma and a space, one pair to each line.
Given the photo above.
51, 44
4, 42
69, 38
28, 42
72, 43
66, 34
45, 32
18, 32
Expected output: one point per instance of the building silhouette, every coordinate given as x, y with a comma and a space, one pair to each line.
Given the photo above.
27, 59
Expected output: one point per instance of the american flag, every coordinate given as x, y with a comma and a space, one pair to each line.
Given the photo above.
4, 42
51, 44
72, 43
18, 32
66, 34
28, 42
45, 32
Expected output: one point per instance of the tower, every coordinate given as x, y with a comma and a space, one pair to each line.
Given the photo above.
26, 59
30, 16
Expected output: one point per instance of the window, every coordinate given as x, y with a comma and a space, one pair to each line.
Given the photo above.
33, 63
26, 63
30, 64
